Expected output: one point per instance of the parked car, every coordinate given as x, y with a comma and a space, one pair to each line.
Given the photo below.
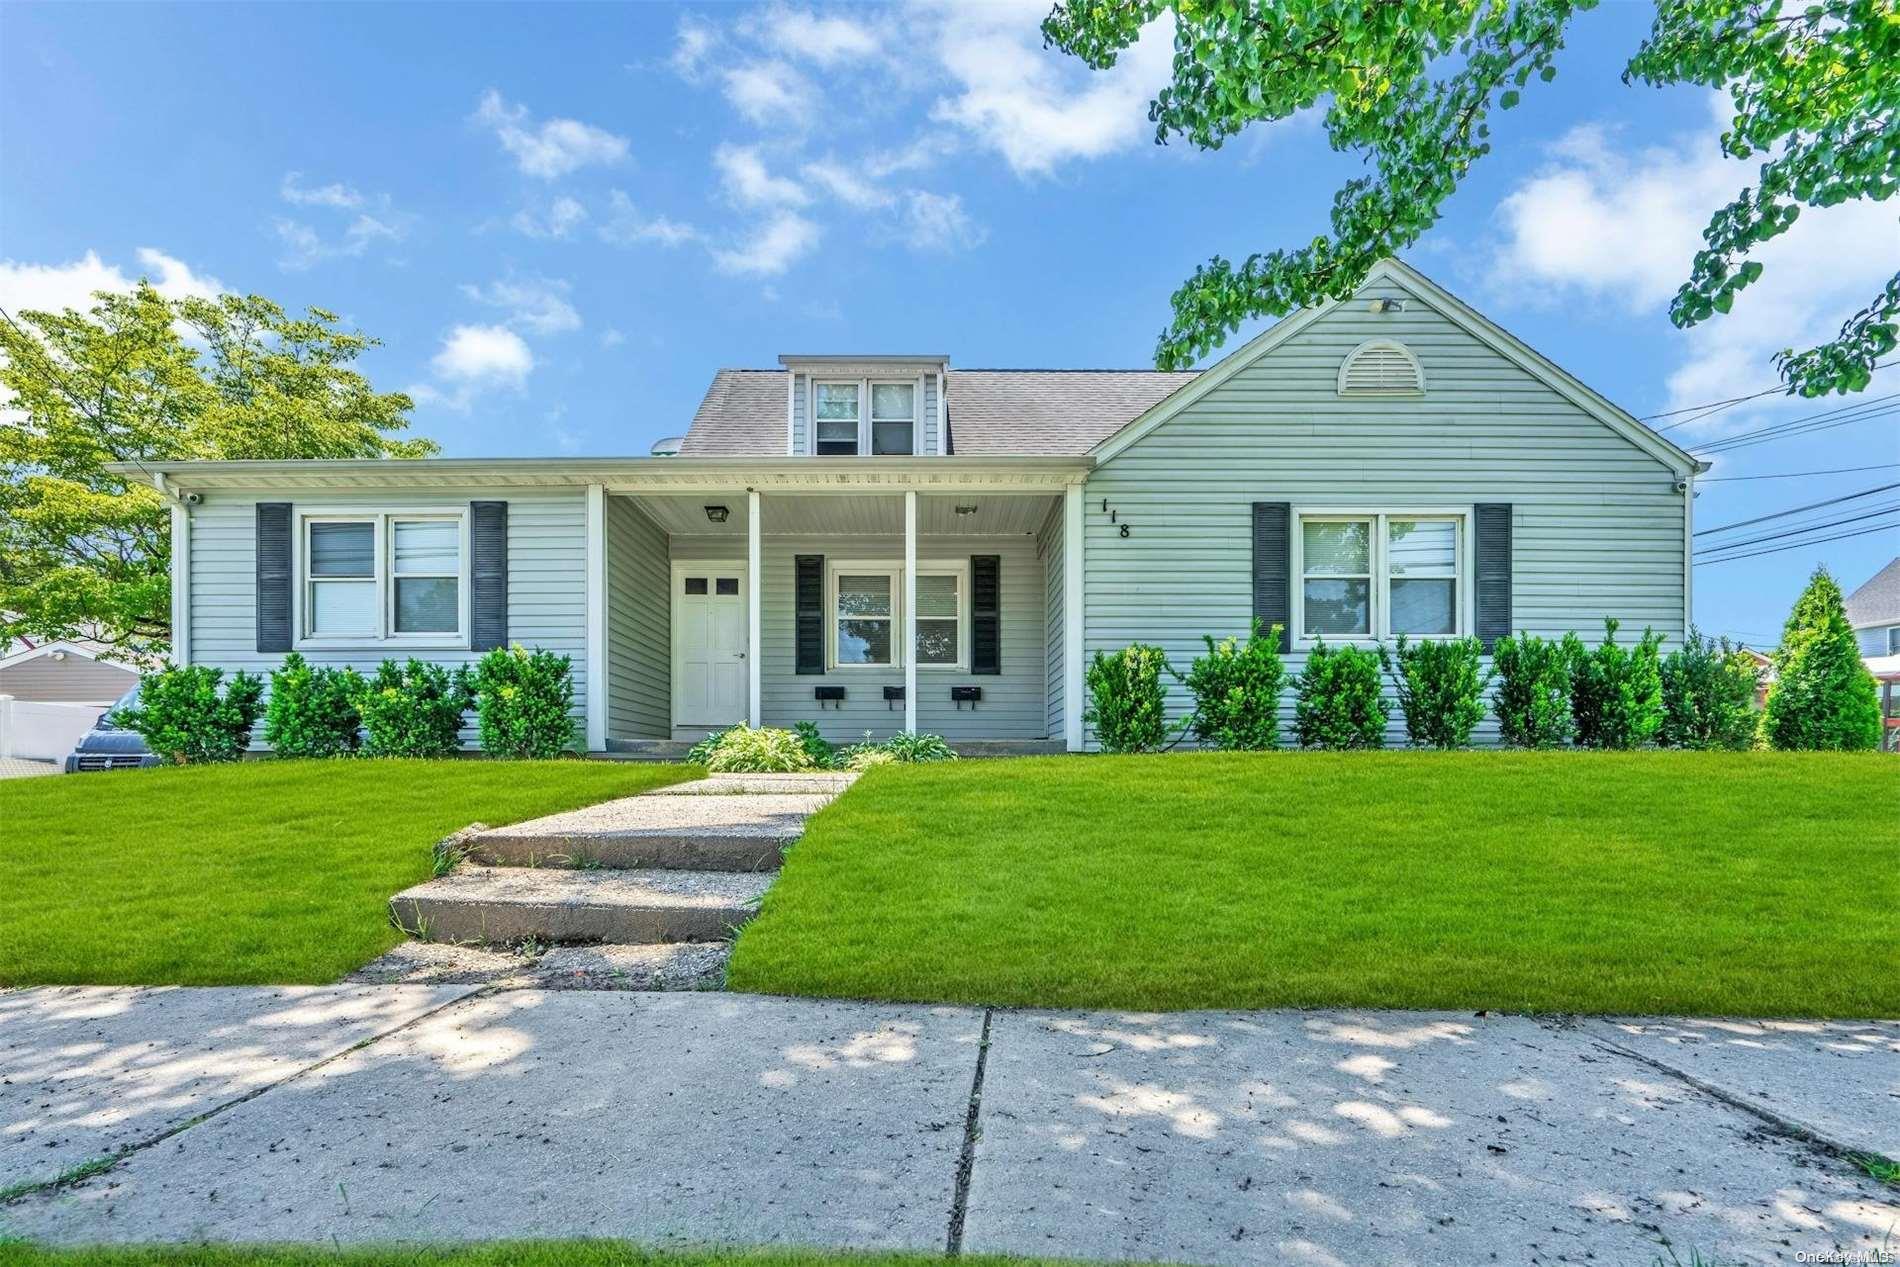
110, 747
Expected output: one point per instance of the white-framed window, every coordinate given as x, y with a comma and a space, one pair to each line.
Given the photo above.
866, 615
1363, 575
1893, 640
395, 576
836, 416
881, 417
893, 418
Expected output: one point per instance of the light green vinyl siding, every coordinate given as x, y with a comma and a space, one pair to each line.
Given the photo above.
1049, 544
639, 626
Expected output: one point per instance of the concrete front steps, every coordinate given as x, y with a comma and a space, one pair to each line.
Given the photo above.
684, 864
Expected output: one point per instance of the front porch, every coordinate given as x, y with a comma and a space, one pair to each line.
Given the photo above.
860, 607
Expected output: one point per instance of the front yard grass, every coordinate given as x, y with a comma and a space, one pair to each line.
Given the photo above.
1706, 883
266, 872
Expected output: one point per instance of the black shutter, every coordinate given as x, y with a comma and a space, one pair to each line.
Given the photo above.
1273, 567
1492, 528
808, 598
986, 614
273, 576
488, 575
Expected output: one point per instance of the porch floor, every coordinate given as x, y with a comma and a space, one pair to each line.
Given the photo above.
676, 749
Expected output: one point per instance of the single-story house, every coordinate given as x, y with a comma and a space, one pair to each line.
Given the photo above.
51, 693
1874, 612
885, 542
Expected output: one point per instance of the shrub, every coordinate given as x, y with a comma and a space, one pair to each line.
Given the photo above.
1533, 696
186, 720
414, 709
312, 710
1708, 696
523, 702
1338, 702
1823, 697
1616, 691
1440, 685
1236, 688
1126, 699
701, 752
910, 748
743, 750
817, 747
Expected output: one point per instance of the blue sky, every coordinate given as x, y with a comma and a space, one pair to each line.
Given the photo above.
560, 220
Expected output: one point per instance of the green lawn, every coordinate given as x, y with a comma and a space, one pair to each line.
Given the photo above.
264, 872
1749, 883
516, 1254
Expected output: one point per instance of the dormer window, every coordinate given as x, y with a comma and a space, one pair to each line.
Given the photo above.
893, 418
836, 407
844, 430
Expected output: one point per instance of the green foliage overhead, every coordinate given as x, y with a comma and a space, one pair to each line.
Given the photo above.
1127, 703
1616, 691
1822, 696
188, 716
1708, 695
1339, 701
312, 710
1411, 89
1237, 688
524, 701
1440, 683
85, 552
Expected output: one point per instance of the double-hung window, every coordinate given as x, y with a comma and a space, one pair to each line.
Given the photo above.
1365, 575
867, 616
864, 416
835, 407
893, 418
384, 577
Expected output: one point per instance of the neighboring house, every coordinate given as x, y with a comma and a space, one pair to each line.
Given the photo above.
52, 693
1874, 612
886, 542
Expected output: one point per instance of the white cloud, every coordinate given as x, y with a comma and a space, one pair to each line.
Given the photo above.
692, 43
305, 246
1040, 108
938, 222
773, 246
335, 194
826, 40
847, 185
57, 287
562, 217
474, 359
611, 338
749, 184
625, 226
552, 149
1622, 228
538, 305
770, 94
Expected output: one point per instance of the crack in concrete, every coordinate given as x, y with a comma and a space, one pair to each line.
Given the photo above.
102, 1165
966, 1160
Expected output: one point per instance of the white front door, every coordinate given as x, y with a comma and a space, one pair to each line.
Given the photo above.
709, 641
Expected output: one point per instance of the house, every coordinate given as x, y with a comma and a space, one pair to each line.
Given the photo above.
1874, 612
51, 693
892, 542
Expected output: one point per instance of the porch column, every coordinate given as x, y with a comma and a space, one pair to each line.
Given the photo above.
910, 610
1072, 701
180, 572
596, 564
754, 514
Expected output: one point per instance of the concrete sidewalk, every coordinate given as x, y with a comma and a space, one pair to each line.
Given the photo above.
382, 1113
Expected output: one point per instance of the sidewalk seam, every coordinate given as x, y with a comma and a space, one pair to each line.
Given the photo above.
104, 1165
966, 1160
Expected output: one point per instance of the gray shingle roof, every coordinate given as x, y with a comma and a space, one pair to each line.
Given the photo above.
1012, 413
1878, 601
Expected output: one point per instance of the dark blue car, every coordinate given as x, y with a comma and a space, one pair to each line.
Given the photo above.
109, 747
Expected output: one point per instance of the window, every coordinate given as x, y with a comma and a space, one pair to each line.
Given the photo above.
893, 417
385, 576
1376, 575
867, 615
835, 405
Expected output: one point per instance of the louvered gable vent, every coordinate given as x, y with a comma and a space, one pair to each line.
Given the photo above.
1381, 368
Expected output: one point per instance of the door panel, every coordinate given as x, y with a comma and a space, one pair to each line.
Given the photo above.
709, 637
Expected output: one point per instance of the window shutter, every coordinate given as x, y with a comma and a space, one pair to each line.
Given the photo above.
986, 614
1492, 528
273, 576
809, 607
1273, 567
488, 575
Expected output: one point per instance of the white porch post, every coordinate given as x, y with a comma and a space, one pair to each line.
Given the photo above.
910, 610
754, 514
180, 573
596, 561
1072, 701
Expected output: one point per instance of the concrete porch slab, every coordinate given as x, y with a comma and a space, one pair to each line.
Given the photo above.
87, 1071
1416, 1138
1837, 1079
657, 1117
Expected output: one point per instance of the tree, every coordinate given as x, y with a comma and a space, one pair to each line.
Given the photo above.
1411, 88
1822, 696
85, 552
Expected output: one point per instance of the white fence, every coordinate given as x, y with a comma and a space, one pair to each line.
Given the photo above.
43, 732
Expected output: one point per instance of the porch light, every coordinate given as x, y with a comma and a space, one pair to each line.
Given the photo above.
966, 510
718, 514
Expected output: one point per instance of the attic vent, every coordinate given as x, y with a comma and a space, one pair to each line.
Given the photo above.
1381, 368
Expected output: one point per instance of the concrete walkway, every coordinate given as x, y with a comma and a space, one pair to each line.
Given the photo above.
362, 1113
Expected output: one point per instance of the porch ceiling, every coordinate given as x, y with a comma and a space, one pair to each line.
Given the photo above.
788, 515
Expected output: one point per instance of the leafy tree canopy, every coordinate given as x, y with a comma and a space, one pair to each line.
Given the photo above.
1411, 88
85, 552
1822, 697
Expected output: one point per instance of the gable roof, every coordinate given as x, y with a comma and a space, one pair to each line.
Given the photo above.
1012, 413
1877, 602
85, 651
1453, 309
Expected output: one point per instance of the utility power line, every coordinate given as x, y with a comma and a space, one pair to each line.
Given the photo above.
1862, 411
1795, 510
1796, 545
1782, 534
1795, 475
1715, 406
